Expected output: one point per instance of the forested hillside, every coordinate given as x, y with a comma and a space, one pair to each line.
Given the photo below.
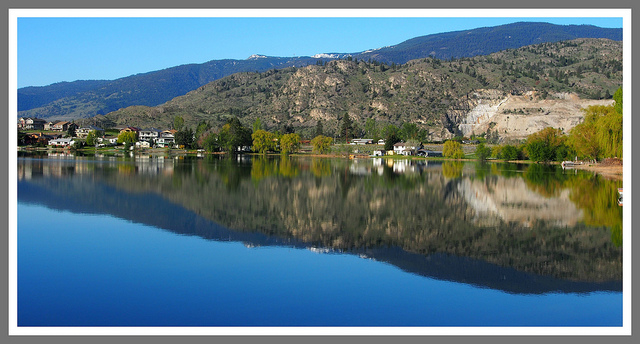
436, 95
82, 99
486, 40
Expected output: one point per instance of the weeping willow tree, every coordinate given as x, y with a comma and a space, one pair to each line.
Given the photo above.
609, 134
600, 134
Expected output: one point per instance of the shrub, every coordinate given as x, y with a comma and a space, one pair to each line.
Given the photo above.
452, 149
321, 144
289, 143
483, 152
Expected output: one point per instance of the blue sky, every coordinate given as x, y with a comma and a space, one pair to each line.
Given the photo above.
55, 49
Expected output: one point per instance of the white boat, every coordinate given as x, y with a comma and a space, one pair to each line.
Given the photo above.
620, 197
569, 164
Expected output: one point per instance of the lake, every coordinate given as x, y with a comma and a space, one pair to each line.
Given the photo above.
300, 241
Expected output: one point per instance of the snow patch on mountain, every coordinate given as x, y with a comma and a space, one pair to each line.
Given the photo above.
325, 56
372, 50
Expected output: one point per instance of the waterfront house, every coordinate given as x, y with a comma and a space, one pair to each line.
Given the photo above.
84, 131
108, 141
62, 142
38, 139
166, 138
29, 123
61, 126
426, 152
149, 135
401, 148
126, 129
143, 144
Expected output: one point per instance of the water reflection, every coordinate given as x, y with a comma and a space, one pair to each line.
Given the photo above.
426, 217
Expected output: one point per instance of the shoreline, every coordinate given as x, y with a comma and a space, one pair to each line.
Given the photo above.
612, 172
606, 170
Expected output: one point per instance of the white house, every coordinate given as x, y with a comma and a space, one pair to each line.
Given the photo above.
149, 135
62, 142
108, 141
165, 139
61, 126
142, 144
401, 148
84, 131
30, 123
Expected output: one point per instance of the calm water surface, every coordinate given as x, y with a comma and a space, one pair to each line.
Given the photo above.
253, 241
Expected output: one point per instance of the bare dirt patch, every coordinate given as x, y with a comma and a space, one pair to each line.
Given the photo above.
610, 168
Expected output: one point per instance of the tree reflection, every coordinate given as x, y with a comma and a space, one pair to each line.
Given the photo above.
320, 167
262, 167
288, 168
598, 197
592, 193
452, 169
435, 210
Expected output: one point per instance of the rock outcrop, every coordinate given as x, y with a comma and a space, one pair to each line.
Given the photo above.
514, 117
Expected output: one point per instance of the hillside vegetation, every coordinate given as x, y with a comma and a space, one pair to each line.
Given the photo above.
436, 95
82, 99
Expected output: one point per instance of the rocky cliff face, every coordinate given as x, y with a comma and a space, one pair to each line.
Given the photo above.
516, 117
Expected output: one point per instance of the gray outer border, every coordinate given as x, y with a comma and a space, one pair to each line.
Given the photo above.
8, 4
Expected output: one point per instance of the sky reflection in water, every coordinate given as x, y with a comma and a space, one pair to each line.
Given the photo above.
108, 271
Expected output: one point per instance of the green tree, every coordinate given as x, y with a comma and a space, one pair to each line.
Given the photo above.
201, 129
289, 143
452, 149
483, 152
600, 134
409, 131
21, 138
346, 127
71, 130
263, 141
390, 140
356, 131
539, 151
609, 134
510, 152
319, 128
544, 145
184, 137
178, 122
210, 142
371, 129
390, 129
127, 138
233, 135
321, 144
257, 125
391, 136
617, 97
582, 139
91, 138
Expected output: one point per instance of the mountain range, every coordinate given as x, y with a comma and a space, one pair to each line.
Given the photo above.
511, 93
87, 98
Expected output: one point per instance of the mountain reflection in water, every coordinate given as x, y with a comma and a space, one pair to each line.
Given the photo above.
521, 229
